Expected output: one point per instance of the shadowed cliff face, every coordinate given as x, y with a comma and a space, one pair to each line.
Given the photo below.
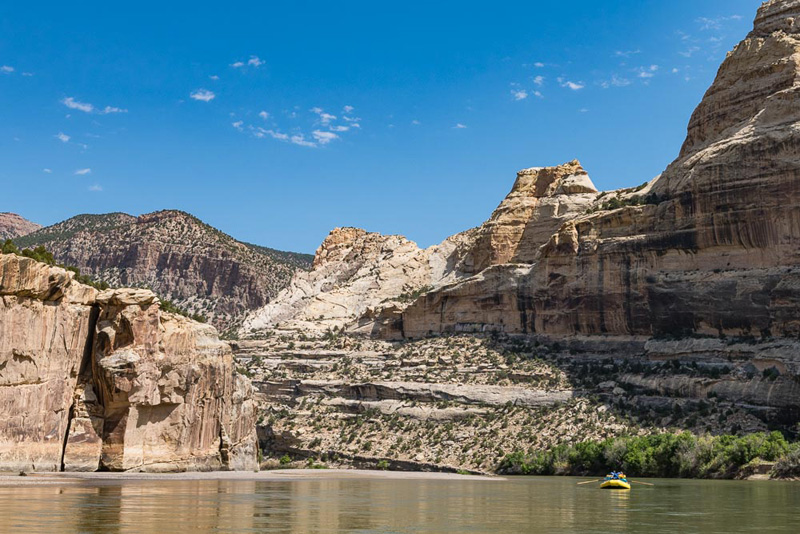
107, 381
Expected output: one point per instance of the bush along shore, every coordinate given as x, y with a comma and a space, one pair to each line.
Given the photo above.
664, 456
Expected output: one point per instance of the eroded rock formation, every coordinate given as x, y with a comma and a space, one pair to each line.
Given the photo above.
105, 380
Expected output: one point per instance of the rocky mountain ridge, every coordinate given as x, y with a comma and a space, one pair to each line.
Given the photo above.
174, 254
13, 226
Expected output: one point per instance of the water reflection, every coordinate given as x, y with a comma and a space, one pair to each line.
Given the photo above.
382, 506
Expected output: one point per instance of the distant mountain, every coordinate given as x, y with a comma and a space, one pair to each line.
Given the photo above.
12, 225
176, 255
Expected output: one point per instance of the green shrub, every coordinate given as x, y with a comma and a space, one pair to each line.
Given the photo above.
659, 455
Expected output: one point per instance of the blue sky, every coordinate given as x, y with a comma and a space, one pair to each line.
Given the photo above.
278, 121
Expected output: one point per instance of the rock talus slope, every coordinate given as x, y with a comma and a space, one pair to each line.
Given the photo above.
104, 380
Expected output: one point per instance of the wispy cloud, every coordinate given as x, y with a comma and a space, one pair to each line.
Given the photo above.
299, 139
415, 122
213, 77
459, 126
539, 80
323, 138
539, 65
71, 103
615, 81
264, 115
86, 107
83, 172
203, 95
575, 86
238, 125
348, 109
519, 94
95, 188
254, 61
647, 72
261, 132
64, 138
6, 69
47, 171
715, 23
627, 53
324, 118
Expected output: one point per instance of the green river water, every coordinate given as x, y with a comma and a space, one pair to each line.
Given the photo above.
365, 505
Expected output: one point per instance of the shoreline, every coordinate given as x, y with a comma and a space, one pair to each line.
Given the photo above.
278, 475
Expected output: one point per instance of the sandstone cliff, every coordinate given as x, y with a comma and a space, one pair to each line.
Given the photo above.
13, 226
104, 380
177, 256
672, 305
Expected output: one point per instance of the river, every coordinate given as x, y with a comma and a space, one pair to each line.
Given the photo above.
333, 502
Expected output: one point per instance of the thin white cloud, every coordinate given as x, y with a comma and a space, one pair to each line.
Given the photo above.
238, 125
47, 171
264, 115
348, 109
299, 139
538, 94
213, 77
83, 172
323, 138
538, 65
6, 69
648, 72
340, 128
715, 23
575, 86
27, 74
627, 53
86, 107
459, 126
615, 81
415, 122
64, 138
71, 103
203, 95
255, 61
539, 80
237, 64
95, 188
261, 132
519, 94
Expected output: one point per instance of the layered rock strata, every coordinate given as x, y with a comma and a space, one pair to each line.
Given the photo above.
107, 381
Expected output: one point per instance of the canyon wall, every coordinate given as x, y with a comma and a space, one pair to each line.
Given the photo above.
107, 381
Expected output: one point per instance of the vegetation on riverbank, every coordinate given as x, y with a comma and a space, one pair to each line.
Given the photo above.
662, 455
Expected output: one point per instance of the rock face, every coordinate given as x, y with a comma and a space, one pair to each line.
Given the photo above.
107, 381
12, 226
177, 256
712, 249
359, 281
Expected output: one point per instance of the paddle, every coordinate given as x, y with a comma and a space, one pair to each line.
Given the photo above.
588, 482
645, 483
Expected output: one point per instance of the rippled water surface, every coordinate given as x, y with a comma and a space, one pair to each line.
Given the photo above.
549, 505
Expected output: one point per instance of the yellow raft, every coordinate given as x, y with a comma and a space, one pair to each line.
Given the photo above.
615, 484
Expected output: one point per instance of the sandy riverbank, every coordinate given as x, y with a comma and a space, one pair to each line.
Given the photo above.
282, 475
